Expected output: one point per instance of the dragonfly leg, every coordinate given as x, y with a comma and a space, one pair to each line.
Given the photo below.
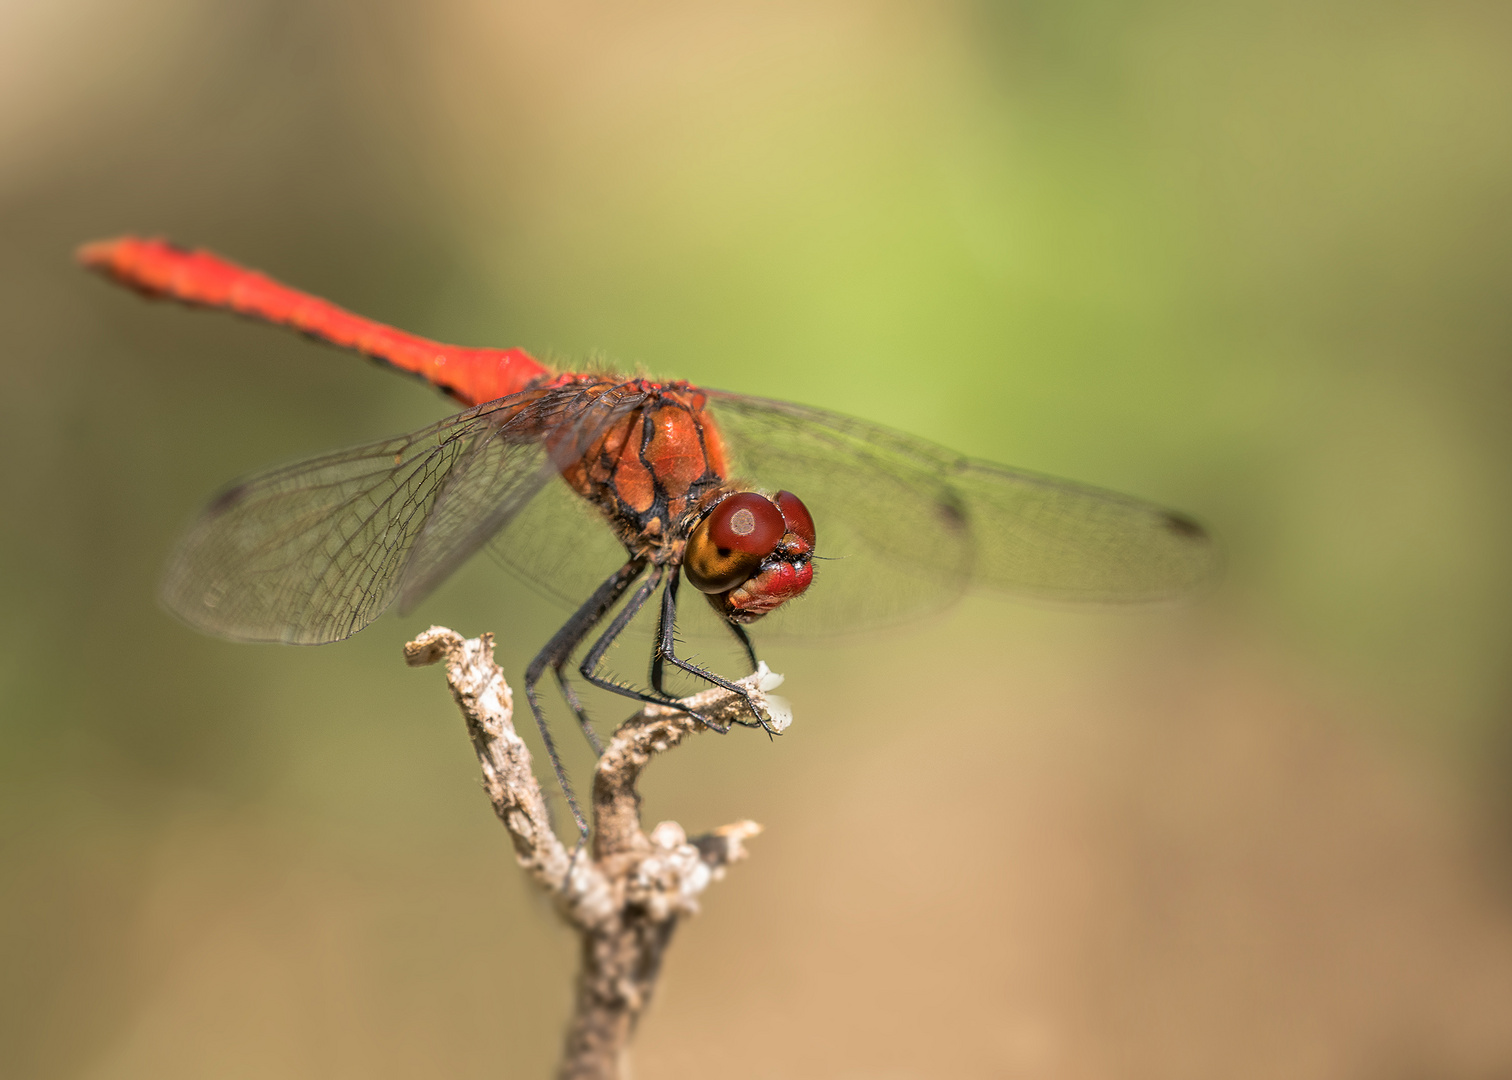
666, 650
557, 651
657, 660
745, 642
669, 613
590, 665
569, 692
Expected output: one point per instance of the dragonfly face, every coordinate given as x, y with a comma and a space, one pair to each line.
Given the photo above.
750, 554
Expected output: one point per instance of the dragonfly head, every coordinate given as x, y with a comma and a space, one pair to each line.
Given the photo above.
751, 554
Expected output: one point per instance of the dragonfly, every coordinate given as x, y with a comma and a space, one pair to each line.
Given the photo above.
681, 479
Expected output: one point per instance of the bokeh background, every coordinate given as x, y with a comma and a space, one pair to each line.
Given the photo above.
1249, 259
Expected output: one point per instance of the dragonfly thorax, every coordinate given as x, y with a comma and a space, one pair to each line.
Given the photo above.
655, 462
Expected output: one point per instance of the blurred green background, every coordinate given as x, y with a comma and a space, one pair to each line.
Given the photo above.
1250, 260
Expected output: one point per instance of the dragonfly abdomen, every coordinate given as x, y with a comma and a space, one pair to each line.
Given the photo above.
159, 268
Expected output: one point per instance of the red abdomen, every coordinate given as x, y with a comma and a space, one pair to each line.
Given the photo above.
160, 269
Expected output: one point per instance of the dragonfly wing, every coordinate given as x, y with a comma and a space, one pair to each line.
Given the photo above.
559, 545
894, 541
1039, 536
906, 525
313, 552
508, 477
489, 484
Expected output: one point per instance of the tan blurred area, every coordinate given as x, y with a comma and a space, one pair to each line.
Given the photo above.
1249, 260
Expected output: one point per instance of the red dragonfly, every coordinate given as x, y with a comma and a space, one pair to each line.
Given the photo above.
313, 552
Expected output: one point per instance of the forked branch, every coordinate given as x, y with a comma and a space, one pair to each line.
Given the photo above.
625, 898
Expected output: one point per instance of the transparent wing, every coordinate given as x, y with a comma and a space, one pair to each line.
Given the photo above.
905, 525
559, 545
312, 552
497, 482
1051, 538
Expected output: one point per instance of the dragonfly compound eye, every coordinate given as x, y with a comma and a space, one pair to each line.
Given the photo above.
747, 522
799, 521
728, 545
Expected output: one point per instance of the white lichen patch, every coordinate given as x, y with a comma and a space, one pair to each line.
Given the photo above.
779, 709
668, 881
765, 678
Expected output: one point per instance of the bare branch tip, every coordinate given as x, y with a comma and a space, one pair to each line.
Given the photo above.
625, 894
435, 644
726, 844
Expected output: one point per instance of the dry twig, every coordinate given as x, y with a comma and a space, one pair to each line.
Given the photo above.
624, 900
